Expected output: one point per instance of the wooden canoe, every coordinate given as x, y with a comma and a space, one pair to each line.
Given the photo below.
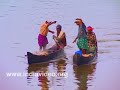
81, 60
52, 55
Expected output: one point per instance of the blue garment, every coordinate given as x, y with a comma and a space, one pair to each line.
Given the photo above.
82, 31
78, 52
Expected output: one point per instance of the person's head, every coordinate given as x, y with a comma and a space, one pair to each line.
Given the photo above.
89, 29
83, 51
58, 27
47, 23
78, 21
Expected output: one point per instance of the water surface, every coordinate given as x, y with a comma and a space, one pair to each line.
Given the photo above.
19, 23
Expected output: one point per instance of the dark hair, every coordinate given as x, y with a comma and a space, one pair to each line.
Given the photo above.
59, 26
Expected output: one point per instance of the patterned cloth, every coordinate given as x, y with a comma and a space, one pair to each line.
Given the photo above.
92, 42
42, 40
82, 43
82, 31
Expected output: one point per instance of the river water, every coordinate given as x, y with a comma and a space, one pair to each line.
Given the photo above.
19, 28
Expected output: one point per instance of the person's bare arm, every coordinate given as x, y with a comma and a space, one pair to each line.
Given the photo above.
75, 39
51, 31
50, 23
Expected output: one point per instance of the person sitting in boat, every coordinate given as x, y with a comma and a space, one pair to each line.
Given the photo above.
82, 54
82, 42
61, 37
42, 37
92, 41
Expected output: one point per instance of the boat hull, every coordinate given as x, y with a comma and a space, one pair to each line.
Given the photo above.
81, 60
32, 58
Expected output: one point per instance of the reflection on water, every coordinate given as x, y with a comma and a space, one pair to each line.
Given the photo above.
45, 82
60, 66
84, 74
19, 23
102, 41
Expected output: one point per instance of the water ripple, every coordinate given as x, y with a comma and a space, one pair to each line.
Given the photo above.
108, 40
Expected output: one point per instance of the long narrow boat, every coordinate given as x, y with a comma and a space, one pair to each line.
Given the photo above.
81, 60
52, 55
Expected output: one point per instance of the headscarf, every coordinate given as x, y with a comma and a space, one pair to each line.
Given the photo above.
89, 28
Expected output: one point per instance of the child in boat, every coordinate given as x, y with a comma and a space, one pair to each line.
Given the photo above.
42, 37
82, 54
